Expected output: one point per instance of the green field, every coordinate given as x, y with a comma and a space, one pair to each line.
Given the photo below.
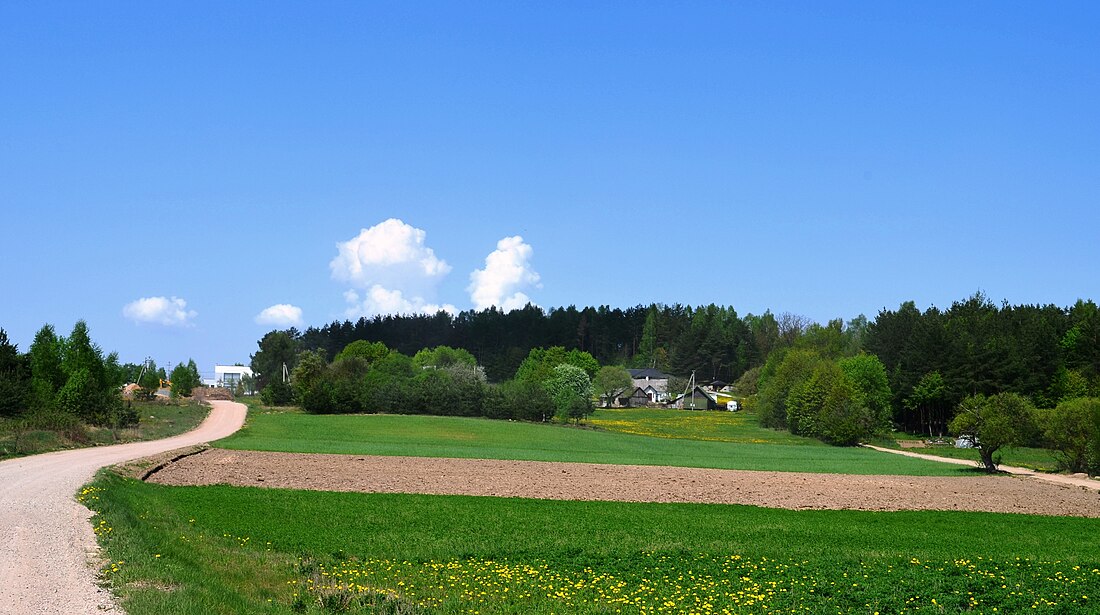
718, 442
243, 550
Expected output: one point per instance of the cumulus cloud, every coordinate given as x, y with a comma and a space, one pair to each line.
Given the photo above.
280, 315
381, 300
390, 253
167, 311
393, 268
507, 271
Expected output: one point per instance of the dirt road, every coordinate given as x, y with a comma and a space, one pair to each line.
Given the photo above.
46, 542
1061, 479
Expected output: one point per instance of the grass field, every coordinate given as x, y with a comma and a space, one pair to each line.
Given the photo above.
721, 440
242, 550
740, 427
157, 420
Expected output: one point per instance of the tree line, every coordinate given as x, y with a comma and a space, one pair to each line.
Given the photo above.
62, 382
839, 381
936, 358
711, 340
368, 377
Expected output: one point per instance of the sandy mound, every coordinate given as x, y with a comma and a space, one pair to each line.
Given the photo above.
586, 481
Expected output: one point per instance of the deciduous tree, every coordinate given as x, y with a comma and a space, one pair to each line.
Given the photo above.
610, 380
1004, 420
1073, 429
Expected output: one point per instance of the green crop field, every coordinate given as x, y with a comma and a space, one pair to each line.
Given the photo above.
244, 550
718, 441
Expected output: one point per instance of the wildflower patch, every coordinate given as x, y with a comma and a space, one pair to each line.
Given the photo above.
655, 582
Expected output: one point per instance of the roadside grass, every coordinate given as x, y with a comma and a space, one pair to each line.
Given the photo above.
474, 438
1040, 459
220, 549
254, 403
157, 419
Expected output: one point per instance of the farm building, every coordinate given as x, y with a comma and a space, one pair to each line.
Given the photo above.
636, 398
696, 399
628, 398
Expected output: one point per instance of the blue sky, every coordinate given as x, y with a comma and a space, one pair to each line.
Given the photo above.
827, 159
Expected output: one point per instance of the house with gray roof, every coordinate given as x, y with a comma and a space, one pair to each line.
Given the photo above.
653, 381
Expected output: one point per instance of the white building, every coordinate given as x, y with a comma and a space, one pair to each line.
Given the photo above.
229, 376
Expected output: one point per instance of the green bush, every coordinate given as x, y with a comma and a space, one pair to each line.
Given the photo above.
1073, 429
277, 393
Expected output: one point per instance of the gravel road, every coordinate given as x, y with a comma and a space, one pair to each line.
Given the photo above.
48, 552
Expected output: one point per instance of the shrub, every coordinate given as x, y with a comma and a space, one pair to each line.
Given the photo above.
1073, 429
277, 393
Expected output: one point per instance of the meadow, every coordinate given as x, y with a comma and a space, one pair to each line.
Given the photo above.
221, 549
245, 550
671, 438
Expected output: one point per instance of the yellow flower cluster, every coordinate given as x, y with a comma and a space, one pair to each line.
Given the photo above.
88, 494
679, 424
700, 585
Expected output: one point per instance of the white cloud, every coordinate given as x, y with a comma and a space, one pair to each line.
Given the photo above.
390, 253
391, 269
381, 300
507, 270
171, 312
280, 315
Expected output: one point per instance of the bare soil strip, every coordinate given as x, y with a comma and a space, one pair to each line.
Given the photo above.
586, 481
48, 552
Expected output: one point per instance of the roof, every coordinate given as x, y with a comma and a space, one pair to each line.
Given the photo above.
647, 372
701, 391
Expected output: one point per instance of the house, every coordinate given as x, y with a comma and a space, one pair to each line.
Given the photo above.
696, 399
718, 385
651, 378
229, 376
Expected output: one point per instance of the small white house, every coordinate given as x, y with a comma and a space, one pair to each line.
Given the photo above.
229, 376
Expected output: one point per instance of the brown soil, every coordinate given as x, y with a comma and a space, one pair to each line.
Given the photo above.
208, 393
585, 481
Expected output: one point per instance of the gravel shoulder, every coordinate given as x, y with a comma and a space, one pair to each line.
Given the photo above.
49, 554
585, 481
